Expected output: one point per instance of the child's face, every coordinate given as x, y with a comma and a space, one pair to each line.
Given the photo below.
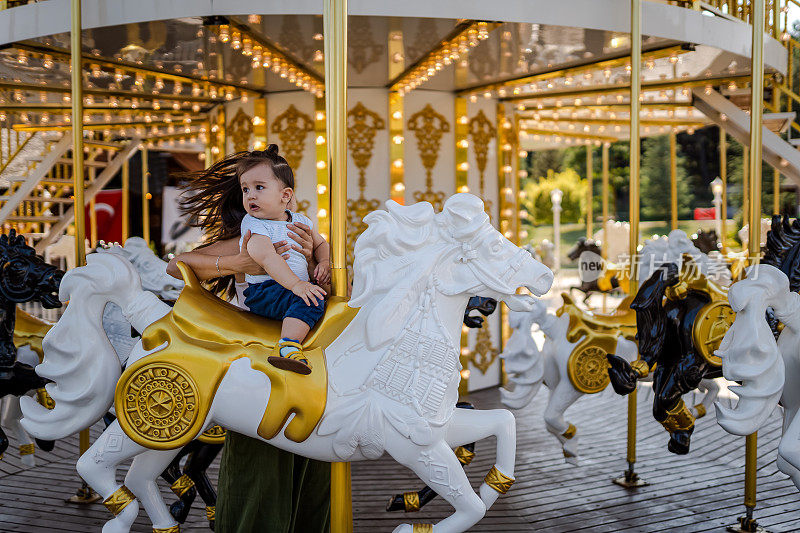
263, 195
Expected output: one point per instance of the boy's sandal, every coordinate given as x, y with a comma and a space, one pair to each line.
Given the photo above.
294, 362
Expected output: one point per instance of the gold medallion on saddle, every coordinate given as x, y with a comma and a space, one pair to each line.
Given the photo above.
596, 335
163, 399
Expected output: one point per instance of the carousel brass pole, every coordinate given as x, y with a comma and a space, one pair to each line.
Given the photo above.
84, 494
631, 478
335, 40
673, 180
747, 522
126, 200
589, 199
145, 197
605, 193
723, 175
776, 102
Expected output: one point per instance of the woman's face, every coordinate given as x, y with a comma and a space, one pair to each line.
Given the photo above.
263, 195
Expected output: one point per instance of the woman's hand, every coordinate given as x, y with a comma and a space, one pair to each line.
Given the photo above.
301, 234
242, 262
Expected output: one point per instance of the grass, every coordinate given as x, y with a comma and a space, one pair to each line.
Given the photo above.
570, 233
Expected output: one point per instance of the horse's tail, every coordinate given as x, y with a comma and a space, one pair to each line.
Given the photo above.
749, 352
524, 362
78, 356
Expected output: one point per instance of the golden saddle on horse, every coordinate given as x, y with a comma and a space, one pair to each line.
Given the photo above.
163, 399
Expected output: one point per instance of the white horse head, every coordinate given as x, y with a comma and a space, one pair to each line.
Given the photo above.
749, 352
152, 270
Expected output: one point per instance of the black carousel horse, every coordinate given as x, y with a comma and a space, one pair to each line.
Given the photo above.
665, 336
415, 500
706, 241
594, 285
24, 277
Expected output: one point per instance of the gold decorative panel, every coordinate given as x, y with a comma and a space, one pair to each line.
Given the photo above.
292, 128
362, 49
482, 132
484, 354
428, 127
362, 125
241, 129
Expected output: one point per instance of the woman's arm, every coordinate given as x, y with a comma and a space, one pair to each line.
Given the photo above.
222, 258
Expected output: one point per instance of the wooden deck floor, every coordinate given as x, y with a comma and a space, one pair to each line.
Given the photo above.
694, 493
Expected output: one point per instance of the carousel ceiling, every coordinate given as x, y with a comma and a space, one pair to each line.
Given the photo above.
166, 75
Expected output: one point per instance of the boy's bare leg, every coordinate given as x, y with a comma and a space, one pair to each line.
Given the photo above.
294, 328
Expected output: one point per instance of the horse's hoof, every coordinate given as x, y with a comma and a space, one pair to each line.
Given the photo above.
623, 377
679, 442
28, 460
45, 445
404, 528
396, 503
180, 509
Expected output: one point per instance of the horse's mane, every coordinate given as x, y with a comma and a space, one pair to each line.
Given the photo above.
783, 249
390, 234
650, 316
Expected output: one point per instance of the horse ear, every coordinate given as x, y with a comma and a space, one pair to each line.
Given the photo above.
189, 277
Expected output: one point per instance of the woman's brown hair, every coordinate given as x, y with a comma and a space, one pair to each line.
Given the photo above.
212, 198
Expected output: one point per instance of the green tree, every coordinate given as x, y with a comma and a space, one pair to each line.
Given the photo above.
537, 197
655, 181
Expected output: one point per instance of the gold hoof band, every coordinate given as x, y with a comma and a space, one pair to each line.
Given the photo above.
464, 456
641, 367
211, 513
498, 480
181, 485
701, 410
26, 449
678, 419
174, 529
570, 432
119, 500
411, 502
422, 528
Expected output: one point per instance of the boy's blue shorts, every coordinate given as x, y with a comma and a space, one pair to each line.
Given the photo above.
272, 300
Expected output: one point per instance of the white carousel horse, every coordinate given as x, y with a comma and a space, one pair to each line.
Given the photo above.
528, 367
392, 371
153, 274
670, 249
744, 233
769, 371
617, 235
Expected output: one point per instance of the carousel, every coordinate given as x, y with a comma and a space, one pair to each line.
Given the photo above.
412, 130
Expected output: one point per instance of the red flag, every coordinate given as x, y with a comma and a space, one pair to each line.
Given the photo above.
704, 213
108, 209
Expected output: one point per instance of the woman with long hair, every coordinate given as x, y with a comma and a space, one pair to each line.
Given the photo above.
261, 488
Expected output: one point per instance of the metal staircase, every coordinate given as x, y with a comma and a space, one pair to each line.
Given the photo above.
776, 151
39, 200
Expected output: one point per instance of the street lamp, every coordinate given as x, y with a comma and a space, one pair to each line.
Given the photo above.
555, 198
716, 189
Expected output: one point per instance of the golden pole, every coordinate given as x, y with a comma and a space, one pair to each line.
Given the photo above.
605, 192
77, 136
747, 522
84, 494
126, 200
673, 179
776, 103
746, 187
334, 20
631, 478
589, 199
92, 212
145, 197
723, 175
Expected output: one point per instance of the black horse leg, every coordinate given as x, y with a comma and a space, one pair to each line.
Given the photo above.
195, 468
3, 442
181, 485
670, 410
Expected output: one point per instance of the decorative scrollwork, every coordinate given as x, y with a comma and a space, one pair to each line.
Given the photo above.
160, 402
362, 125
362, 49
241, 128
292, 128
484, 354
428, 127
213, 435
482, 132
